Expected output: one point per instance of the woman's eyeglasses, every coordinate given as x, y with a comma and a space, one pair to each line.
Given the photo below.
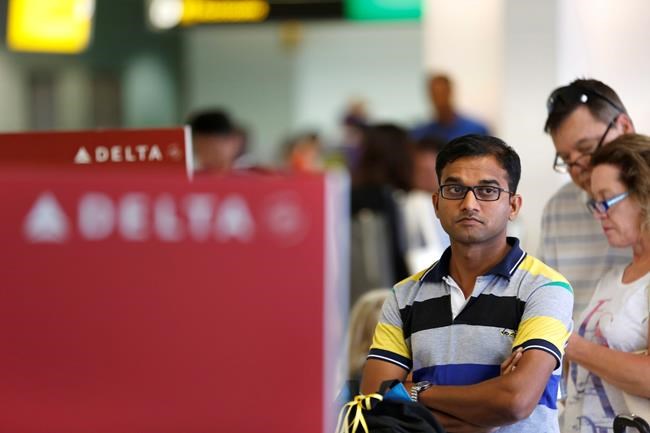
601, 207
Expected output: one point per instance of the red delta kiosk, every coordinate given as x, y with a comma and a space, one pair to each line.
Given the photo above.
135, 300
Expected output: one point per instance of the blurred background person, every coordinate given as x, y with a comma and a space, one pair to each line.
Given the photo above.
353, 122
425, 152
216, 140
447, 123
363, 320
425, 238
377, 247
615, 322
303, 153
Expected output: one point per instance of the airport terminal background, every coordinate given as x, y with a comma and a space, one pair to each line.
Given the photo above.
284, 79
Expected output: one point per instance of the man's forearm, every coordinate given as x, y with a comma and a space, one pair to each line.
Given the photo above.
498, 401
483, 405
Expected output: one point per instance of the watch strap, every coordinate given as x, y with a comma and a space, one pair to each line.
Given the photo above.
417, 388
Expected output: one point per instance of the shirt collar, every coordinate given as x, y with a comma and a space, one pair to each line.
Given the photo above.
505, 268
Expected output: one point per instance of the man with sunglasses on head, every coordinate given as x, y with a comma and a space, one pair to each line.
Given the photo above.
582, 117
453, 324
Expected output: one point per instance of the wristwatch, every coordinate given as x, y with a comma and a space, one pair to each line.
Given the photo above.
418, 388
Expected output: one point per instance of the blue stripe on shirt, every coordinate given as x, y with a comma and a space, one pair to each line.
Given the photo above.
456, 374
470, 374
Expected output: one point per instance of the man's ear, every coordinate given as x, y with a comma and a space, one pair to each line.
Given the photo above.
434, 200
515, 206
625, 123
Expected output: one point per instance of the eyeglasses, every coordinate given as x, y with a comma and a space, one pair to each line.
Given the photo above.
481, 192
567, 97
601, 207
562, 166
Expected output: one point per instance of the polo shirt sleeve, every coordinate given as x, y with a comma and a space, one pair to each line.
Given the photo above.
388, 342
546, 323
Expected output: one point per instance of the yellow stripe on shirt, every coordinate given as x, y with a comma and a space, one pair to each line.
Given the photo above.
536, 267
543, 328
390, 338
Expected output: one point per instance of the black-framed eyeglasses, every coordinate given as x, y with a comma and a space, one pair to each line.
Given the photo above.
481, 192
562, 166
567, 97
601, 207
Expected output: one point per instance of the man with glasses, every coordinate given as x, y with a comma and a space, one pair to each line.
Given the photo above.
453, 324
582, 117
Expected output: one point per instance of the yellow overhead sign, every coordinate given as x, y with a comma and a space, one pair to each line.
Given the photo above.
165, 14
51, 26
212, 11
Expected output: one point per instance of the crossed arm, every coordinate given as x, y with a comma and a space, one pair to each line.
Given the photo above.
474, 408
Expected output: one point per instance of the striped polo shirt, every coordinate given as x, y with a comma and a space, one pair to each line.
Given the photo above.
428, 326
573, 243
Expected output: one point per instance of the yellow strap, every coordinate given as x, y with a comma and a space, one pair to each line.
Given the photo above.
360, 402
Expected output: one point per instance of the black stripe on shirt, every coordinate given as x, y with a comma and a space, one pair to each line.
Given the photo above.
538, 343
393, 358
429, 314
493, 311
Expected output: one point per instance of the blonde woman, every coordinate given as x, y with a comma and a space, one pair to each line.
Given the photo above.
615, 323
363, 320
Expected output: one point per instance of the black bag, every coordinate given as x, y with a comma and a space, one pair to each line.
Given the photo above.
621, 422
375, 414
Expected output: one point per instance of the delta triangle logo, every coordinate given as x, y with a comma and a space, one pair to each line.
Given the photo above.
46, 222
82, 156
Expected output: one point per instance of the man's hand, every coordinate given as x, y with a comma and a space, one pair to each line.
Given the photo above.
509, 365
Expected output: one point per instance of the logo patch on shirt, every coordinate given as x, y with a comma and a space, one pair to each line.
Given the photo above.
508, 332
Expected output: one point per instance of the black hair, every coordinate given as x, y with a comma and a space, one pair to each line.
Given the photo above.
386, 157
601, 100
214, 121
475, 145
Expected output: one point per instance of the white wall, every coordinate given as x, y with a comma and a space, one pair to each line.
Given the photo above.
149, 93
608, 40
378, 62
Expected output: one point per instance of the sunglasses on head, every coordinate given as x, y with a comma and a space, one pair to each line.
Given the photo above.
567, 97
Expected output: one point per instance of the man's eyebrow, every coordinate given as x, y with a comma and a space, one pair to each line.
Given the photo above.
489, 182
453, 179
